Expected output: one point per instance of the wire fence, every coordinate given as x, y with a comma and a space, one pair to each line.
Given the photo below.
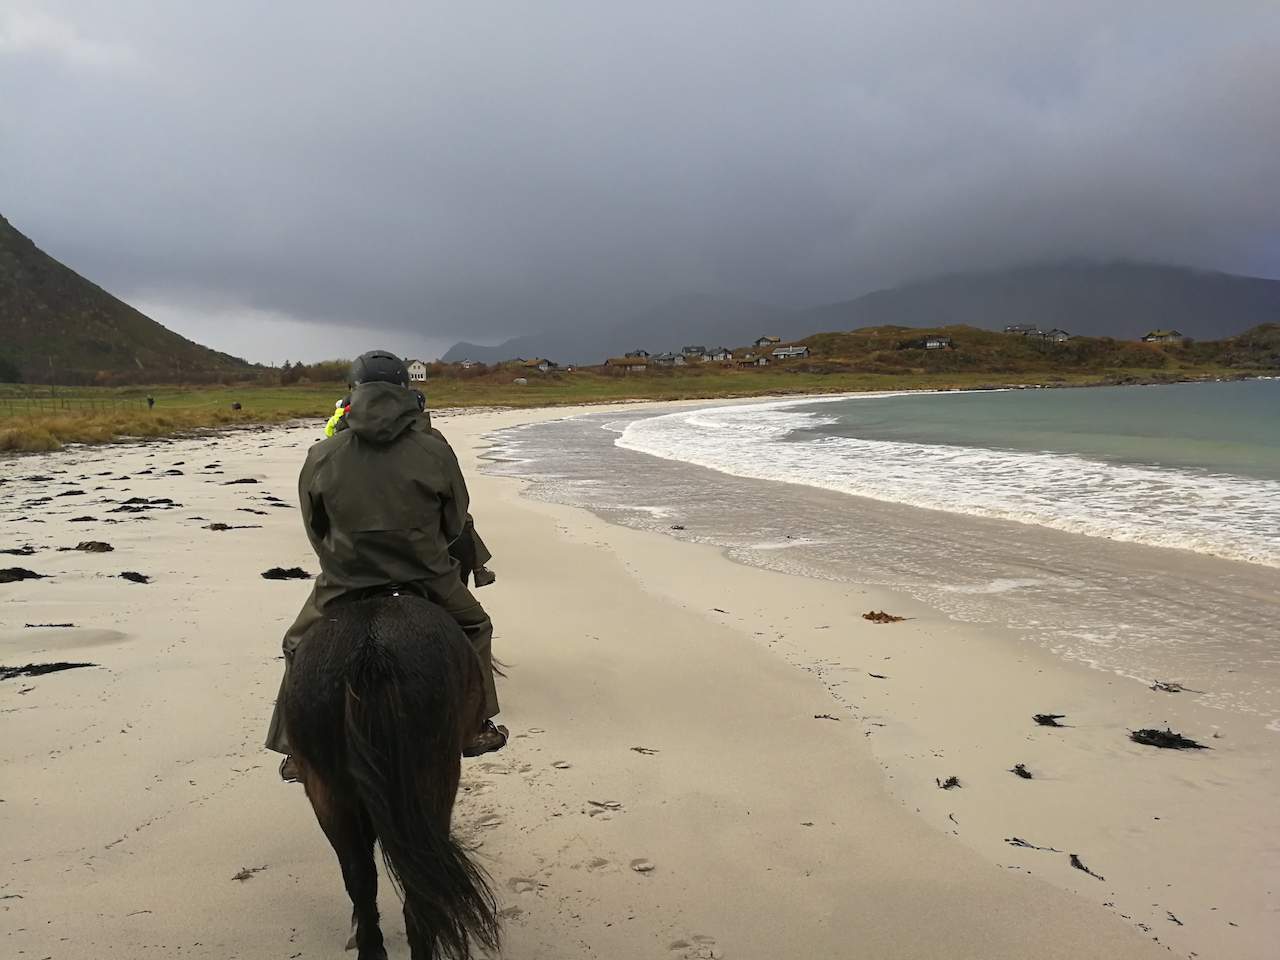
79, 406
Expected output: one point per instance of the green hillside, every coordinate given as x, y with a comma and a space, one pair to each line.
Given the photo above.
57, 327
900, 350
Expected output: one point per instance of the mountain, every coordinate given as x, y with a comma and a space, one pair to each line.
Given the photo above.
1122, 300
703, 319
58, 327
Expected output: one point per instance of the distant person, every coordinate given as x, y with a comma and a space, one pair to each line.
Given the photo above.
151, 402
382, 501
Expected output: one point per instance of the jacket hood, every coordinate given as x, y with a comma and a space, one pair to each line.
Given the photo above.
380, 412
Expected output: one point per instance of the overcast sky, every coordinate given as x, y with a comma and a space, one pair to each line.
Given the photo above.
307, 179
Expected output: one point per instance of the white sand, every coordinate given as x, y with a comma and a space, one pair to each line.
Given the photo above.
134, 792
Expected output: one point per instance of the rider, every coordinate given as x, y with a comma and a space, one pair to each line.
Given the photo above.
468, 549
381, 502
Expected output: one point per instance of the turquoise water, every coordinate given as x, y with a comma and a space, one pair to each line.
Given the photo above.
1135, 529
1231, 428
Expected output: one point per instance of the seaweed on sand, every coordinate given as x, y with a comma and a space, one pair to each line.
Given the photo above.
1165, 739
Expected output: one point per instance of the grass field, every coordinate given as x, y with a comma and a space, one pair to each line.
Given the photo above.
45, 418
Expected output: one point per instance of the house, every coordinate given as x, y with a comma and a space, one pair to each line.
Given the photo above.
720, 353
669, 360
468, 364
937, 343
1056, 336
1163, 336
767, 341
638, 355
693, 353
751, 361
790, 353
539, 364
1022, 329
628, 364
417, 371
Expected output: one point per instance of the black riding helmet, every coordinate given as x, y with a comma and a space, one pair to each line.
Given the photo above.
378, 366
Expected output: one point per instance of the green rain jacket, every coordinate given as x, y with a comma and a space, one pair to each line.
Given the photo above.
383, 499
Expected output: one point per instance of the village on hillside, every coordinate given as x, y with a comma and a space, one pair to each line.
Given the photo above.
763, 352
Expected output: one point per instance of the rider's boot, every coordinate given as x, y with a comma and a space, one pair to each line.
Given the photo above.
490, 738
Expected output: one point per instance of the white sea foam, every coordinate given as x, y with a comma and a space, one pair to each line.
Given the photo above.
1221, 515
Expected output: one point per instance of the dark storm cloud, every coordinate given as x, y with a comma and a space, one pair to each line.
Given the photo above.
481, 170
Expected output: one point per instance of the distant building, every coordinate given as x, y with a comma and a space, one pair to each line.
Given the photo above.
468, 364
417, 371
790, 353
937, 343
669, 360
539, 364
767, 341
693, 353
628, 364
751, 361
720, 353
638, 355
1022, 329
1164, 336
1056, 336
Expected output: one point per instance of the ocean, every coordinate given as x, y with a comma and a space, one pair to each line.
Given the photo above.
1135, 529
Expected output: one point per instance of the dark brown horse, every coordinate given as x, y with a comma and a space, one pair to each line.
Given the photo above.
382, 696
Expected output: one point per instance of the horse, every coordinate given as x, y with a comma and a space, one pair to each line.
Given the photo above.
383, 694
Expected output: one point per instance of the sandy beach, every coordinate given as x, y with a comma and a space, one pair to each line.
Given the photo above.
768, 759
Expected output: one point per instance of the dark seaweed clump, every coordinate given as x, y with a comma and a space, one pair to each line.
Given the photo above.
281, 573
1165, 739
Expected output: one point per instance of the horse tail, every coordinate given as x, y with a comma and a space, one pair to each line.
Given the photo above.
401, 717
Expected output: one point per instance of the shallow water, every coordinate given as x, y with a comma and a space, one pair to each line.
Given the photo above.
1131, 608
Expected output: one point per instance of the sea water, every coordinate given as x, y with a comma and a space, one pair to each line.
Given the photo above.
1136, 529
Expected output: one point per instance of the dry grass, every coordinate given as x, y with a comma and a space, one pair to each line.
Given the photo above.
34, 422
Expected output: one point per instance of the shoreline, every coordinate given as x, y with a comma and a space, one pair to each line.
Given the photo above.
910, 733
772, 831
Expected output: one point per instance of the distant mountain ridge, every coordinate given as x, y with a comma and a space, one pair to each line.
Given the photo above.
58, 327
1120, 299
697, 319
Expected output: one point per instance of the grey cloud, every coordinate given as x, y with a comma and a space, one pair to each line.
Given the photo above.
481, 170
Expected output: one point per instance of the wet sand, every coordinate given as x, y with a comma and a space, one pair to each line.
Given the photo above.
141, 818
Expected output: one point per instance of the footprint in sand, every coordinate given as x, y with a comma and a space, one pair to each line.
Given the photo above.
477, 789
489, 822
697, 947
524, 885
562, 764
597, 863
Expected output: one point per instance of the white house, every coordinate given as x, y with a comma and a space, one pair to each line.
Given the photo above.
937, 343
721, 353
417, 371
790, 353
